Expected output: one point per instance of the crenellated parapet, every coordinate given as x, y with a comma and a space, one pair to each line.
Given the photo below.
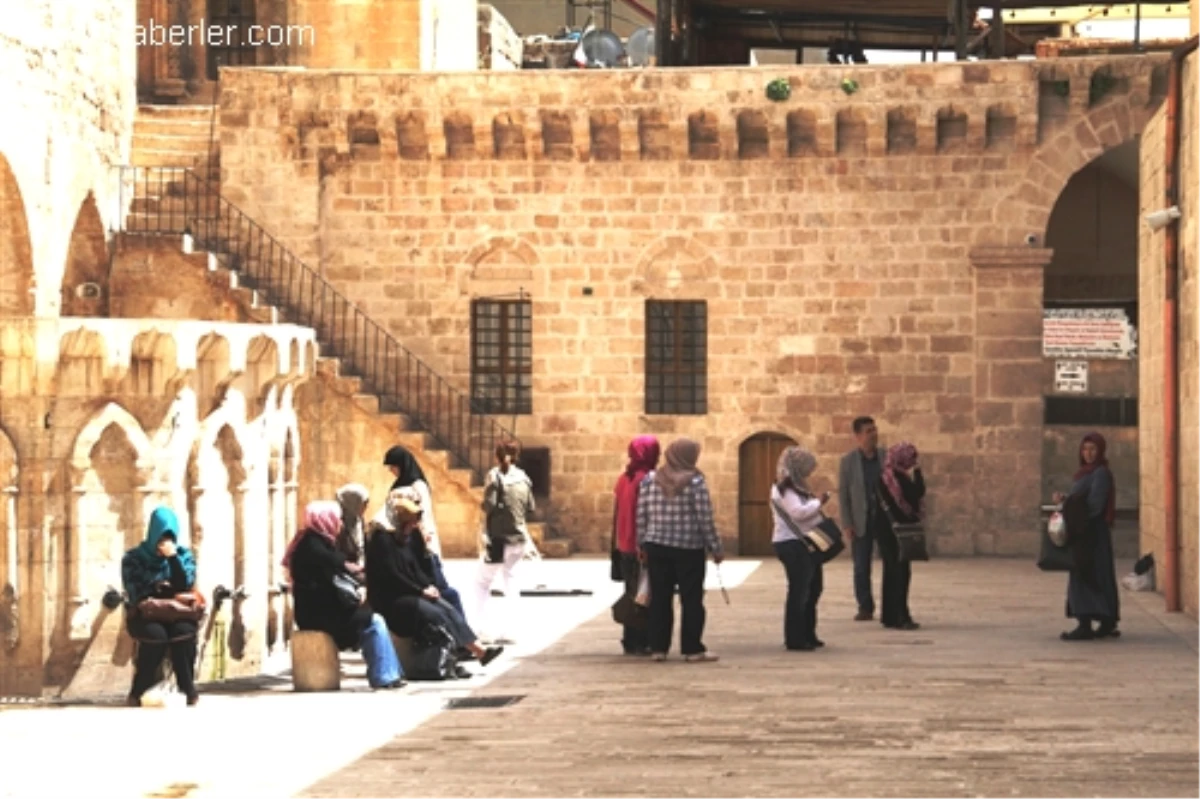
688, 114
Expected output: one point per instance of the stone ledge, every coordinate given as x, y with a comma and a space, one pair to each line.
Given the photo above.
1011, 257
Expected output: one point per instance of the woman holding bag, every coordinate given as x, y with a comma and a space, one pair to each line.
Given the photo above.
901, 492
797, 511
1092, 587
161, 567
643, 458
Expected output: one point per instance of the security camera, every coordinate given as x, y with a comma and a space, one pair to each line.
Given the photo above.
1160, 219
1031, 239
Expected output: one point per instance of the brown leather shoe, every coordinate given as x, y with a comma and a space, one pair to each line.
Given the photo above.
864, 615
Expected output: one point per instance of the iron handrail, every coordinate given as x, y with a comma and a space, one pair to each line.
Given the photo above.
177, 201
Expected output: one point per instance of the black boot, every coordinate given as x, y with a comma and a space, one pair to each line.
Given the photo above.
1107, 629
1081, 633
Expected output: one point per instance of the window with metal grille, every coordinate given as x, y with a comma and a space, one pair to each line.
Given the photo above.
676, 358
1091, 411
235, 47
502, 355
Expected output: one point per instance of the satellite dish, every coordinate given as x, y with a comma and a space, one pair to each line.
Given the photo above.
603, 48
641, 46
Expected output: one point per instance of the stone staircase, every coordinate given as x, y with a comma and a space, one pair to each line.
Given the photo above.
176, 135
174, 200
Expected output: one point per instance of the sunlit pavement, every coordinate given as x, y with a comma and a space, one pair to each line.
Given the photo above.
983, 700
259, 738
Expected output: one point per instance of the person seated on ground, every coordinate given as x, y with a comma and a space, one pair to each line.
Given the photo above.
400, 582
317, 567
448, 593
160, 567
411, 478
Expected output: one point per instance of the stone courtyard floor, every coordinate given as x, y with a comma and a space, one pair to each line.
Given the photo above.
982, 700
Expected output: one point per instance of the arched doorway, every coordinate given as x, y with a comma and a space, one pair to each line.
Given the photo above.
85, 279
1090, 297
757, 457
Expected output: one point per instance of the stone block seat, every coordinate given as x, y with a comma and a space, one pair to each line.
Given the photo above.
315, 663
404, 651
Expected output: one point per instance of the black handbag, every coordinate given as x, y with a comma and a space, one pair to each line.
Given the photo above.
348, 591
629, 613
432, 657
910, 540
825, 540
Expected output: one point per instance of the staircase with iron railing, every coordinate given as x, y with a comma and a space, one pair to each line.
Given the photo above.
175, 201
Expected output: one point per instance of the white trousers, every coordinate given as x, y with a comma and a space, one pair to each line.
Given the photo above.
495, 625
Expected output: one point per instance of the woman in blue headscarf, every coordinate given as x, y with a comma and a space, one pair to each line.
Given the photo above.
159, 567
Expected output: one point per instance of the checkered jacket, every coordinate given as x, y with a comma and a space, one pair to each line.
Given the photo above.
684, 521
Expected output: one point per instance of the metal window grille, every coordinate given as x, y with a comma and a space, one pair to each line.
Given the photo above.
677, 358
235, 19
502, 356
1091, 411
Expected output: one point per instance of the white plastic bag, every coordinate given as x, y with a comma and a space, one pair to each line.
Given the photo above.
1139, 582
643, 590
1057, 529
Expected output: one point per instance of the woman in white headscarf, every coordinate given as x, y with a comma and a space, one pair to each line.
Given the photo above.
796, 511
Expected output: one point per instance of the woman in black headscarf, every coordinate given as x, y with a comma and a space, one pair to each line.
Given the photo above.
409, 475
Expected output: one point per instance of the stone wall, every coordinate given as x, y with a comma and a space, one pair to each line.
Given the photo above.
1152, 290
69, 78
103, 420
861, 253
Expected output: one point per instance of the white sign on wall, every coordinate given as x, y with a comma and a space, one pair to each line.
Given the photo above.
1071, 377
1088, 333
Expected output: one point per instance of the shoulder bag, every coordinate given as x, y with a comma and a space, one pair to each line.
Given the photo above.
184, 606
825, 540
348, 591
910, 536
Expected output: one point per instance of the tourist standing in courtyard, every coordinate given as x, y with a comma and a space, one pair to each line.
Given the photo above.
901, 492
328, 595
796, 511
862, 518
507, 504
1092, 586
411, 478
643, 458
160, 567
674, 528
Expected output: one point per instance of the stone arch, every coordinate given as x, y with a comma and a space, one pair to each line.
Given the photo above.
672, 263
112, 476
153, 364
85, 277
501, 265
262, 370
10, 561
1026, 209
16, 248
213, 375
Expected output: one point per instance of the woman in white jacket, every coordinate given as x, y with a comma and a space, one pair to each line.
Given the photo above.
796, 511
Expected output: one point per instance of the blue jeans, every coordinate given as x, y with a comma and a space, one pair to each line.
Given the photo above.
383, 667
862, 548
449, 594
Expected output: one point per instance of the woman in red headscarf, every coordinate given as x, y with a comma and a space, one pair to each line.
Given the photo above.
1092, 588
643, 459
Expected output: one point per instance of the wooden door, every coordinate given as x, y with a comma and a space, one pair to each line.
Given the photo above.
756, 472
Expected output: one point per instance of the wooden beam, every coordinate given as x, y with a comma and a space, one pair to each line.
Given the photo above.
662, 34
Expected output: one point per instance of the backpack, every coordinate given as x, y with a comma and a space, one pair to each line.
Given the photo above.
432, 657
501, 524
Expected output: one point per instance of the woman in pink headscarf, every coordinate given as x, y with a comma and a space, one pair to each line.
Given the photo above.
643, 459
317, 567
901, 492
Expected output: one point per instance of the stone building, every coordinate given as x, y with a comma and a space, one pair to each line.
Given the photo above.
443, 260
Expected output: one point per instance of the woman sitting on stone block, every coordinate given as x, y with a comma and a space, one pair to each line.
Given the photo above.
316, 567
401, 585
411, 477
160, 567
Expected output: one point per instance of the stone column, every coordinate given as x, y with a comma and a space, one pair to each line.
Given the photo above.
1008, 397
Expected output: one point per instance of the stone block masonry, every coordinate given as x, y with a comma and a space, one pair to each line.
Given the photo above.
877, 252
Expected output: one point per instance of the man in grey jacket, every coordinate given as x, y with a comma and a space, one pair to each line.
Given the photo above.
858, 479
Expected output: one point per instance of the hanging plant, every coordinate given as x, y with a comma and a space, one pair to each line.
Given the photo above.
779, 90
849, 85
